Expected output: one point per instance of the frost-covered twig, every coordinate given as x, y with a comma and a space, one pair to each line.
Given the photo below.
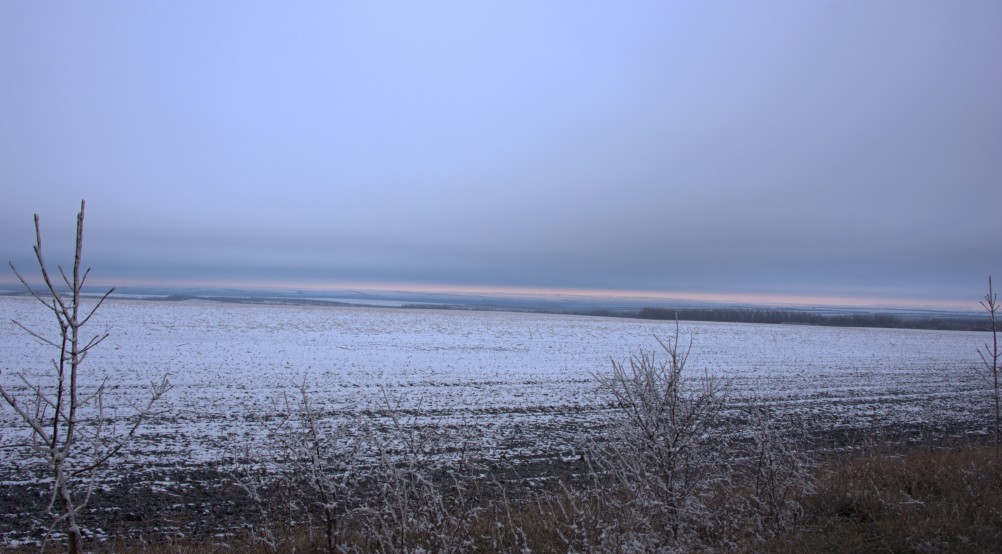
313, 459
991, 356
67, 427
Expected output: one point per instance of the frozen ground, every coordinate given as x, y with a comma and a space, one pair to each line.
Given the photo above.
520, 384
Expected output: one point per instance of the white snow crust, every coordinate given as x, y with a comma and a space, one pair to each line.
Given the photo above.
520, 382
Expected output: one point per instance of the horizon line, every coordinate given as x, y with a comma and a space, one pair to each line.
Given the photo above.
754, 298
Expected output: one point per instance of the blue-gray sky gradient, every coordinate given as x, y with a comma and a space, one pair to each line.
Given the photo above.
814, 148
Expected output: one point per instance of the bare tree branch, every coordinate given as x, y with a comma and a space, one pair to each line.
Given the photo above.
990, 358
68, 428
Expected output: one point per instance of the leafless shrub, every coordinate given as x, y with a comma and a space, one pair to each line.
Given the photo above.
681, 468
307, 475
375, 483
589, 514
661, 454
768, 478
419, 502
69, 430
779, 473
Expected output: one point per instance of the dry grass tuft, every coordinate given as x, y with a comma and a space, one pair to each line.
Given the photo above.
921, 501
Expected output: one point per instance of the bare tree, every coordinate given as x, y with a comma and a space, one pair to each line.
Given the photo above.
990, 355
69, 429
682, 469
662, 451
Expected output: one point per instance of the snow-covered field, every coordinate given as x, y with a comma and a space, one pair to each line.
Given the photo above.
521, 383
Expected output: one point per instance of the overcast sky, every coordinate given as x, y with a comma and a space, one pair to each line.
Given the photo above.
739, 148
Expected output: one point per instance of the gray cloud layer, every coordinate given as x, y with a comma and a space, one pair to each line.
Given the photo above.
845, 148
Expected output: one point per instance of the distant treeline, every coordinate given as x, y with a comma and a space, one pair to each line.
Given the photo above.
751, 315
945, 322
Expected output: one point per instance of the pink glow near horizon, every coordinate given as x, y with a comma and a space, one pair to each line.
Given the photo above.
843, 301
